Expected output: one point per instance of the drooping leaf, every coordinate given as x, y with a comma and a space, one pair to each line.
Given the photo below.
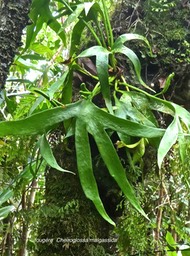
113, 163
92, 119
27, 65
47, 154
102, 70
102, 59
168, 140
4, 211
85, 170
127, 37
135, 61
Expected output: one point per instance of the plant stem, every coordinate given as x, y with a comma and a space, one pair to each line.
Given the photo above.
109, 34
92, 32
107, 25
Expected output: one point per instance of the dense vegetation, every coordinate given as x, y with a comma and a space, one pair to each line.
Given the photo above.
88, 112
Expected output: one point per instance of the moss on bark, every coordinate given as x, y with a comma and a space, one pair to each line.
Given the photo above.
13, 18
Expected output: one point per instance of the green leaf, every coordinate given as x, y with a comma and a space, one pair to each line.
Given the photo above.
42, 50
40, 13
113, 163
5, 195
41, 122
166, 85
136, 109
26, 64
185, 252
47, 154
127, 37
85, 170
102, 71
170, 240
4, 211
121, 125
76, 35
168, 140
55, 86
37, 21
102, 59
119, 47
135, 61
87, 7
91, 11
73, 17
172, 247
35, 105
11, 104
89, 118
183, 114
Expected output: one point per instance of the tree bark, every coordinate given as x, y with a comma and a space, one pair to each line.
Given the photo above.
13, 18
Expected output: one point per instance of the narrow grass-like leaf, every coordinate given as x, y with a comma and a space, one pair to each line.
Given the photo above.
26, 64
47, 154
168, 140
55, 86
113, 163
85, 170
5, 195
4, 211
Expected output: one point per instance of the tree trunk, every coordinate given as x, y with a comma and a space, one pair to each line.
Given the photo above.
13, 18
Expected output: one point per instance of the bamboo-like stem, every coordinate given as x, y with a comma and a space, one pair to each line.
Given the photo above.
26, 205
159, 216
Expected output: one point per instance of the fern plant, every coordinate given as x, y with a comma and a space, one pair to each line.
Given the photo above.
126, 109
